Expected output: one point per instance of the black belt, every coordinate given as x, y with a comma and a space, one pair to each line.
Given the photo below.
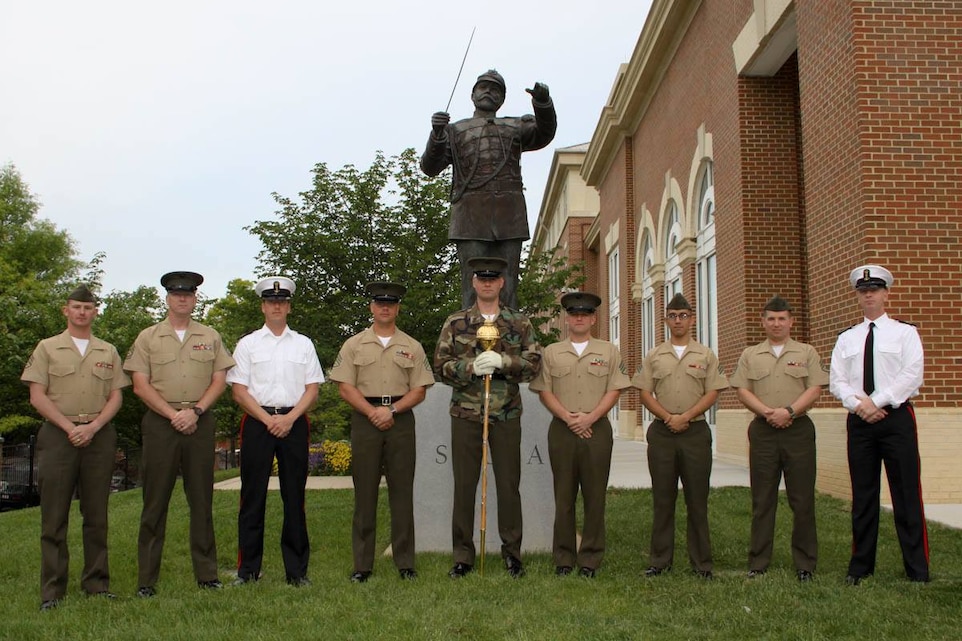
382, 400
277, 410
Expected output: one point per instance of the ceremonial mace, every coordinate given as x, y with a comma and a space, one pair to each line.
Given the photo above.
487, 336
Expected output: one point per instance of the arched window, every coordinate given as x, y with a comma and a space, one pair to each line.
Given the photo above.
673, 270
648, 316
706, 271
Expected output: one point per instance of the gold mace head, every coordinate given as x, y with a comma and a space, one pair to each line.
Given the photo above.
488, 335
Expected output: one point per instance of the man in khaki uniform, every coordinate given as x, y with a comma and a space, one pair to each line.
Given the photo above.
75, 384
779, 380
383, 373
179, 368
581, 380
679, 381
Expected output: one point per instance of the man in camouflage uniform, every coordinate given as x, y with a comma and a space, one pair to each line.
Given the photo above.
461, 362
488, 212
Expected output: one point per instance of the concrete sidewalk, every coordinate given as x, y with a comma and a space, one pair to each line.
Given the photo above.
629, 469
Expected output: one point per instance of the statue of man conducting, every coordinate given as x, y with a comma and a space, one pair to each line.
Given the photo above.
488, 212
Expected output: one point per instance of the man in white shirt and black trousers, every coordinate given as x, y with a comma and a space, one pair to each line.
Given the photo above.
275, 381
876, 368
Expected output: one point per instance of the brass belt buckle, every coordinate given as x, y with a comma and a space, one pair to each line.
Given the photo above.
385, 400
82, 419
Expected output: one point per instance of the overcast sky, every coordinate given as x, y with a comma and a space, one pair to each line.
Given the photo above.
156, 132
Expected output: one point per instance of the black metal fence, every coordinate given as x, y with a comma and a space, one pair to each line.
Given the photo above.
18, 475
18, 471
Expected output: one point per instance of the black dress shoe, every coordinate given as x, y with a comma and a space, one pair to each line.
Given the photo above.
562, 570
459, 570
754, 574
213, 584
244, 580
919, 579
588, 573
103, 594
514, 566
407, 574
50, 604
299, 581
146, 591
651, 571
853, 580
705, 574
805, 576
360, 576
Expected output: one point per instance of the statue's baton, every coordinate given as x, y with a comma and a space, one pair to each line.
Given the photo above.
448, 106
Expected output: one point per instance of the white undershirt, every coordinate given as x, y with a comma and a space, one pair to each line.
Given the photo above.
580, 347
679, 350
778, 349
489, 317
81, 344
180, 334
384, 340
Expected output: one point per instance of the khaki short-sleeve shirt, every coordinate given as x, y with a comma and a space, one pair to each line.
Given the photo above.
76, 384
180, 371
778, 381
679, 383
580, 382
376, 370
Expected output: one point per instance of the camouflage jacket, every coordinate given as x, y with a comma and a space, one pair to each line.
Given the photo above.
457, 349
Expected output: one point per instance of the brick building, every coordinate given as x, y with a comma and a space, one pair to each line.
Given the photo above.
758, 147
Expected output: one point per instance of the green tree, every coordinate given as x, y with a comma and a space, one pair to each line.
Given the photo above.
38, 267
545, 276
122, 317
387, 222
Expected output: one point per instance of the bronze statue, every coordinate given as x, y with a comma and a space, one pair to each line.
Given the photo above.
488, 212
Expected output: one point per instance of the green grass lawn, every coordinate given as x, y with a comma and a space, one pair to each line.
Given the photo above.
619, 604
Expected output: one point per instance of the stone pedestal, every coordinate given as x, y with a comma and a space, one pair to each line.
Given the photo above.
434, 479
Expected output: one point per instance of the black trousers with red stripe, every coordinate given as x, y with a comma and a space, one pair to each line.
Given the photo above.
894, 441
258, 448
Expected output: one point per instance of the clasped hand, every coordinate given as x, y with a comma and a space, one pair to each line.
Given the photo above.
487, 362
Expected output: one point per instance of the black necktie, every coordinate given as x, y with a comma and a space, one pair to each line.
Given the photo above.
868, 361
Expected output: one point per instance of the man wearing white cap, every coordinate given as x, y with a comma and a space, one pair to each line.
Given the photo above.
275, 381
876, 368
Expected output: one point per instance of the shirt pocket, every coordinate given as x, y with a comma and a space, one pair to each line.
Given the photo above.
105, 374
758, 373
404, 362
363, 360
560, 372
465, 344
601, 371
700, 372
797, 371
162, 364
889, 353
62, 370
262, 371
660, 370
